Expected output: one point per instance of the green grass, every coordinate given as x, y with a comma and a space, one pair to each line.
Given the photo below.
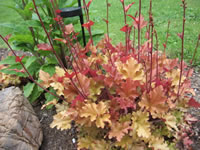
7, 15
163, 10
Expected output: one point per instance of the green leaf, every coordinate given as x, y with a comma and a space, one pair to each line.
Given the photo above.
36, 92
28, 88
30, 61
32, 65
27, 11
50, 97
7, 71
9, 60
48, 68
18, 10
23, 38
51, 60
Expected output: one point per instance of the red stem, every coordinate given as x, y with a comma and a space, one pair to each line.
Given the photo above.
88, 19
167, 36
58, 58
125, 22
151, 69
157, 47
140, 4
107, 19
48, 36
70, 47
182, 48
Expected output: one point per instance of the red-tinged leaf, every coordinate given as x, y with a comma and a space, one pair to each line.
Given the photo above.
61, 40
190, 119
78, 98
164, 45
22, 70
58, 11
147, 35
8, 37
69, 29
44, 46
88, 24
58, 18
122, 1
68, 75
91, 72
125, 103
60, 79
180, 35
142, 23
74, 36
128, 89
187, 142
110, 47
105, 21
193, 103
124, 58
88, 46
88, 5
19, 59
125, 28
129, 6
132, 17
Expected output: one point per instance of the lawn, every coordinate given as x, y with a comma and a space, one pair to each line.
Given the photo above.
7, 16
163, 11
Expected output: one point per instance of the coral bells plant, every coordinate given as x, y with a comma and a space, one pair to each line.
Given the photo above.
126, 96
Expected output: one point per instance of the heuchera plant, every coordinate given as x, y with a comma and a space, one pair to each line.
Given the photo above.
124, 96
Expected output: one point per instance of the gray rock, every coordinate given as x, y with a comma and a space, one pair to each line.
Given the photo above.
19, 126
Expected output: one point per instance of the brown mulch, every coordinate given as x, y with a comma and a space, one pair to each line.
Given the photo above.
54, 139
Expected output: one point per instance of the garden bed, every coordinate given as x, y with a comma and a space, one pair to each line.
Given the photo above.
66, 140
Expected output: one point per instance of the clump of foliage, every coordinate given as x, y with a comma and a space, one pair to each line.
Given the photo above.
124, 96
7, 80
30, 35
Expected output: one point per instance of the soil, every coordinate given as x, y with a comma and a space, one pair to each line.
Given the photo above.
54, 139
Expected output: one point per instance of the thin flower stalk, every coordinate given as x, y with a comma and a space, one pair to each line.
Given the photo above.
86, 9
167, 36
151, 52
157, 48
125, 22
139, 32
107, 17
182, 46
76, 74
134, 33
48, 36
50, 41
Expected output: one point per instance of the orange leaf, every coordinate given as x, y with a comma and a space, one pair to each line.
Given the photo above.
118, 130
154, 101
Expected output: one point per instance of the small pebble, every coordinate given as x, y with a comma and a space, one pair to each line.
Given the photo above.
73, 140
